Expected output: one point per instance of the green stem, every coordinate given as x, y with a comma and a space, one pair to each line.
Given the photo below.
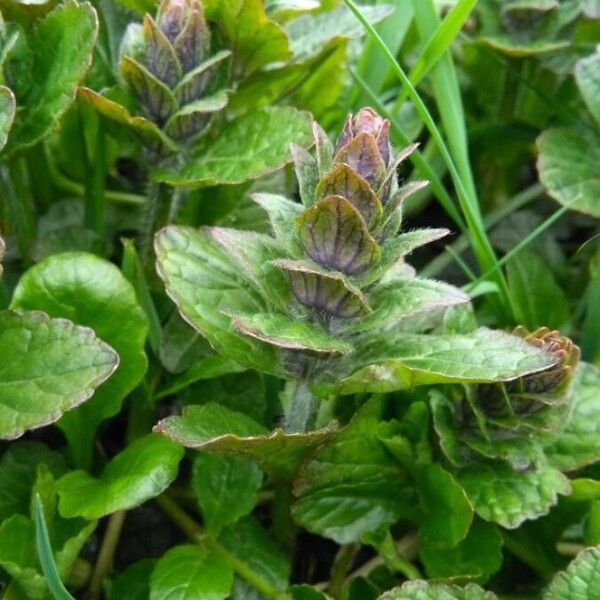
94, 175
19, 203
193, 530
106, 556
245, 571
341, 565
398, 555
394, 555
178, 197
188, 525
301, 408
283, 527
72, 187
149, 220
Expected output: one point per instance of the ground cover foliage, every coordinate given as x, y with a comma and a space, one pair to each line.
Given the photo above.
300, 300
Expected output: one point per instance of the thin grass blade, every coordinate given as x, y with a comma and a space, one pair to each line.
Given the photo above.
45, 555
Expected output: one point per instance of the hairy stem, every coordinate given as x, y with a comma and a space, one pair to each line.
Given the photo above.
178, 198
300, 408
193, 530
106, 556
149, 220
283, 527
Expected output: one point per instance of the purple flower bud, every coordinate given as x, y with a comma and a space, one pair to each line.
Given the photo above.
172, 15
367, 121
182, 22
561, 348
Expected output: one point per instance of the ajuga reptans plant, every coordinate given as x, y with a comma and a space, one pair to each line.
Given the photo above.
167, 65
329, 302
500, 421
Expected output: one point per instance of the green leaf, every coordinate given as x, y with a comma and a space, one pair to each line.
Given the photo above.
423, 590
92, 292
191, 572
191, 120
587, 75
447, 512
507, 497
133, 583
139, 6
189, 260
397, 247
580, 580
18, 471
476, 557
402, 360
568, 168
578, 444
253, 37
19, 541
310, 32
507, 27
251, 146
287, 332
282, 213
158, 100
61, 45
8, 107
38, 385
305, 592
209, 367
214, 428
461, 445
17, 556
322, 290
226, 488
352, 485
140, 472
405, 298
144, 129
250, 542
539, 299
252, 251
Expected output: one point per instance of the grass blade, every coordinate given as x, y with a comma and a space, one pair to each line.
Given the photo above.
393, 30
541, 228
437, 45
45, 555
465, 190
461, 244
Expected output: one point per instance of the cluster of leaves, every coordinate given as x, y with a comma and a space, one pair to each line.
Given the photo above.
271, 403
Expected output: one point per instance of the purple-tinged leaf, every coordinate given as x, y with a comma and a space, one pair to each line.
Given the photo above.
344, 181
335, 235
324, 291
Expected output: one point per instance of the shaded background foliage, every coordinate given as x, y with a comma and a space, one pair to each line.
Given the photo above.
462, 484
